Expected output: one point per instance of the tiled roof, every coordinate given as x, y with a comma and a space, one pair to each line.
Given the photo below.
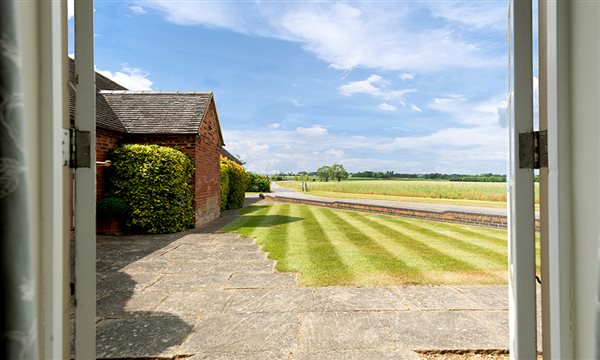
105, 117
230, 156
151, 112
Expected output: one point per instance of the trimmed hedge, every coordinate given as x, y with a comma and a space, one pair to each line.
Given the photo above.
224, 185
237, 182
258, 183
111, 207
155, 182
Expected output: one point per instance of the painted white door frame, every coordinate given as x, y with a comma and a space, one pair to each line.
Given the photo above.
556, 201
85, 185
521, 245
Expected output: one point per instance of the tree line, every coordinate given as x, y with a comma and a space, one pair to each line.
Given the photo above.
338, 172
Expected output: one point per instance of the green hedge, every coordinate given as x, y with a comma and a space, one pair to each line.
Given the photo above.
237, 182
224, 185
258, 183
111, 207
155, 182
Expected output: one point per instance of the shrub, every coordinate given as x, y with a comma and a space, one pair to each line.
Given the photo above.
111, 207
155, 182
224, 185
237, 183
258, 183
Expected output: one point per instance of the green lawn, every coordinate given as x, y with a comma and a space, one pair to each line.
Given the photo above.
339, 247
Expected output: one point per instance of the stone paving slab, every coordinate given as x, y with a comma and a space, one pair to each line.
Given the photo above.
486, 297
270, 300
357, 299
158, 336
261, 281
185, 303
259, 355
217, 296
345, 331
189, 282
246, 266
138, 281
434, 298
124, 304
358, 355
449, 330
242, 333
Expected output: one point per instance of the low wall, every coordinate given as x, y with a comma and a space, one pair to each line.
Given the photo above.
494, 221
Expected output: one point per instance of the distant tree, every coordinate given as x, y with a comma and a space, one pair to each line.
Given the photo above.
338, 172
324, 173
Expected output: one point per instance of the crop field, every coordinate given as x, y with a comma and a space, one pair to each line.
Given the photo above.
474, 191
340, 247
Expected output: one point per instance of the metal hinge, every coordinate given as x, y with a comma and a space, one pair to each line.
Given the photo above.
76, 148
533, 150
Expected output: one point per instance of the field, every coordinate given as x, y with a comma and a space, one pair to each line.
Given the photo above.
339, 247
461, 193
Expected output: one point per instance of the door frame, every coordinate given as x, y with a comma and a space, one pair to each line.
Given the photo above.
520, 184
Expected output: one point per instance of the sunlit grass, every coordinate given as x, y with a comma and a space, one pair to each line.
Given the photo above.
338, 247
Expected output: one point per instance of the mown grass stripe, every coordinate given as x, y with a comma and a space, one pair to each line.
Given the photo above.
326, 264
378, 256
499, 239
246, 225
500, 249
409, 256
439, 260
349, 252
475, 255
295, 254
473, 244
279, 223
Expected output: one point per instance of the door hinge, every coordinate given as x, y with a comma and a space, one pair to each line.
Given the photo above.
533, 150
80, 149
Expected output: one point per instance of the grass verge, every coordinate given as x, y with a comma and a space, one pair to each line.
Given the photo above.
338, 247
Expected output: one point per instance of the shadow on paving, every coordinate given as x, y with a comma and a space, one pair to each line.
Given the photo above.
125, 266
119, 331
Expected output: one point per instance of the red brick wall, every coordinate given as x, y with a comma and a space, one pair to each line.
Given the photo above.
106, 142
208, 176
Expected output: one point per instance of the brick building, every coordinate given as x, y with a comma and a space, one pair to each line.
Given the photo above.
187, 121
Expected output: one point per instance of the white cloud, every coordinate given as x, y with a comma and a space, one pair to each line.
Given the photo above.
336, 153
439, 151
374, 85
296, 103
358, 34
362, 86
130, 77
474, 14
315, 130
482, 113
70, 8
386, 107
415, 108
274, 125
406, 76
137, 10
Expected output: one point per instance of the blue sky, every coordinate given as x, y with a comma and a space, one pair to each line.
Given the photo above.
408, 86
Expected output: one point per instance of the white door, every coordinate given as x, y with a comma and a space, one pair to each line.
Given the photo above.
521, 244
